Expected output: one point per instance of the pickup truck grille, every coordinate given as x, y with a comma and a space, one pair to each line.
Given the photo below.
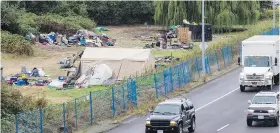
256, 77
160, 123
260, 111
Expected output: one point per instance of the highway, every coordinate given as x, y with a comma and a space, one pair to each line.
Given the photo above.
220, 108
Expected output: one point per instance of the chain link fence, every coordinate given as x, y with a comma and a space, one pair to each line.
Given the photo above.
80, 113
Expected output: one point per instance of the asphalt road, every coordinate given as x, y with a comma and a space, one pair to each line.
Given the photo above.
220, 108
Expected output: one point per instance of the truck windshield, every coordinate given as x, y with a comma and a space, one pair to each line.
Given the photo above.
264, 100
167, 109
256, 61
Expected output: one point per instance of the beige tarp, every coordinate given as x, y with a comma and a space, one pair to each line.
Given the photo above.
123, 61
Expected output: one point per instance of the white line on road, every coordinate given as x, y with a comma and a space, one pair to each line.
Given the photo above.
222, 128
216, 100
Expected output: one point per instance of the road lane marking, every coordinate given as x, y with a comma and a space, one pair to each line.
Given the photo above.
222, 128
216, 100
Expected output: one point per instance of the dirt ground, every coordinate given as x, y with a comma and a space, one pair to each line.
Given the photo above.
47, 57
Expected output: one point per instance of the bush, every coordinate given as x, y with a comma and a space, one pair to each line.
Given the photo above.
12, 102
15, 44
27, 23
57, 23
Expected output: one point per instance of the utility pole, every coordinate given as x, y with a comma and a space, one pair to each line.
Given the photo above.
203, 43
274, 21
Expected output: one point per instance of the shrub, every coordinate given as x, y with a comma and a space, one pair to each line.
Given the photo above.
12, 102
27, 23
57, 23
15, 44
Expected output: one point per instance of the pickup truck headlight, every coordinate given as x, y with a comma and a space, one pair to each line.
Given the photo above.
271, 111
148, 123
173, 123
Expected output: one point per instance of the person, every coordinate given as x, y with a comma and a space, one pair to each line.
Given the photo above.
35, 72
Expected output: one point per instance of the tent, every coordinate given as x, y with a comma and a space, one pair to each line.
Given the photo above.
96, 75
124, 62
101, 73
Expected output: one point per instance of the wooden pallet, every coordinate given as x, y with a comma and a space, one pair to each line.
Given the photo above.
184, 35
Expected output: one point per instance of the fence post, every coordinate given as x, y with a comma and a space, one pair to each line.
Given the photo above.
156, 87
16, 122
123, 105
41, 120
113, 102
178, 76
64, 117
171, 79
165, 74
223, 55
196, 66
76, 114
91, 114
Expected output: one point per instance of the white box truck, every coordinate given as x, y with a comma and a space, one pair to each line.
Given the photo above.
259, 55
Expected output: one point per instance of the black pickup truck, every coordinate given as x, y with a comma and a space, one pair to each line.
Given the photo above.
172, 116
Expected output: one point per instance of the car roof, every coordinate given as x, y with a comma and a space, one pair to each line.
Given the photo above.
268, 93
177, 101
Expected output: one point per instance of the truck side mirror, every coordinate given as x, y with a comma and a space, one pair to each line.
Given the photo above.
238, 60
249, 102
275, 61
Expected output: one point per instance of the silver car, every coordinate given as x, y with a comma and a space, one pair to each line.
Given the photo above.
264, 107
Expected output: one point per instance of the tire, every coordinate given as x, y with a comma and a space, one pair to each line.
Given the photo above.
242, 88
276, 121
270, 87
249, 123
180, 128
193, 126
276, 80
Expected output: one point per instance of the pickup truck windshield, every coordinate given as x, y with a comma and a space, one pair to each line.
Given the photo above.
167, 109
256, 61
264, 100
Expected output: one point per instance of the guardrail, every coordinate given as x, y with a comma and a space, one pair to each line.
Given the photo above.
80, 113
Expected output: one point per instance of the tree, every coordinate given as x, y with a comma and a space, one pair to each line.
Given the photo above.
218, 13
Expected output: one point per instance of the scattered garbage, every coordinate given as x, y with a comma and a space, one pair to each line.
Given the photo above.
101, 29
81, 38
167, 59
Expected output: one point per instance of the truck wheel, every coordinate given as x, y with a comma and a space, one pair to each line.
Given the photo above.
180, 128
242, 88
276, 80
270, 87
193, 125
249, 122
276, 121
